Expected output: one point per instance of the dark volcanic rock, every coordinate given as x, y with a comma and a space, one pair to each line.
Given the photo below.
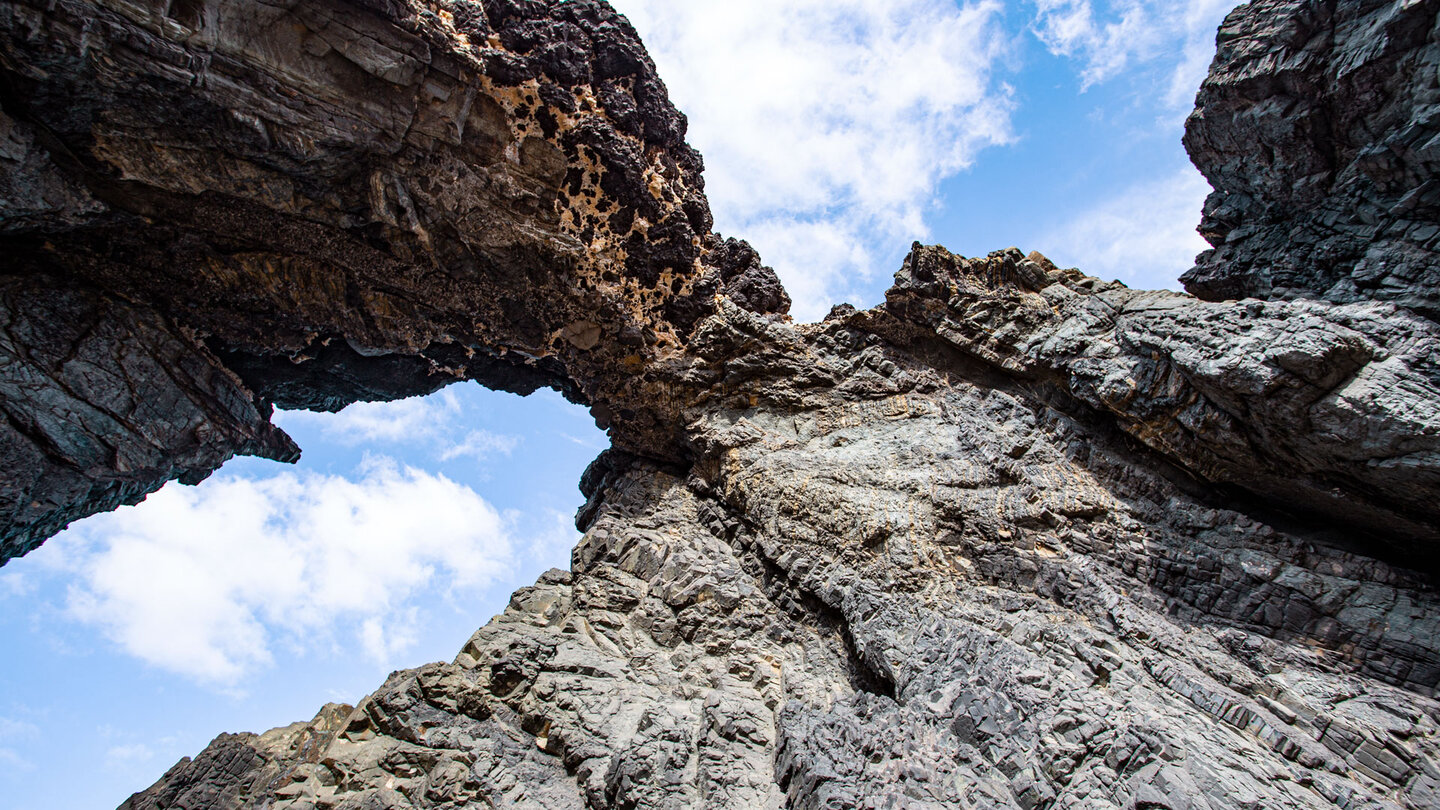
1326, 409
236, 765
104, 401
1017, 538
906, 577
1319, 128
361, 201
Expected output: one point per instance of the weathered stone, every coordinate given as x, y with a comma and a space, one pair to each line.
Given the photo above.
235, 765
367, 201
105, 400
1319, 129
1016, 538
1307, 404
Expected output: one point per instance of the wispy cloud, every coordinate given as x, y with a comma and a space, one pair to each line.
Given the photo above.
124, 757
406, 420
12, 760
14, 731
383, 638
552, 537
437, 422
204, 581
1109, 38
480, 445
11, 729
15, 583
1144, 235
826, 125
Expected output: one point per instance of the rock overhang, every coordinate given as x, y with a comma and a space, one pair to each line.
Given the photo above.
996, 513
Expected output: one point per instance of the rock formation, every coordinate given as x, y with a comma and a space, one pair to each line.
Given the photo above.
1015, 538
336, 201
1317, 129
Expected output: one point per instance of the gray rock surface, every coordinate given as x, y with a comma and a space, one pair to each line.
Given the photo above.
1017, 538
1330, 409
77, 435
1319, 129
890, 580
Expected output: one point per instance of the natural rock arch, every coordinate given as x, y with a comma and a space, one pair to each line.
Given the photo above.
1081, 543
311, 205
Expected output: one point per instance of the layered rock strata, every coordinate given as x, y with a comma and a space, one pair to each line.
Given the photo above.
1015, 538
353, 201
900, 574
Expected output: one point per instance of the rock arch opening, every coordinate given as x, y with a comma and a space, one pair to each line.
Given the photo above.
404, 526
394, 195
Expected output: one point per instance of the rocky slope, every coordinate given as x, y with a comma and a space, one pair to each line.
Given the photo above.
1016, 538
905, 577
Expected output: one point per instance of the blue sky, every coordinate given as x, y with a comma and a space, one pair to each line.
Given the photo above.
835, 132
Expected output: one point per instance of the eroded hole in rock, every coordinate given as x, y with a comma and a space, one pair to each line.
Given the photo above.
189, 13
269, 588
326, 198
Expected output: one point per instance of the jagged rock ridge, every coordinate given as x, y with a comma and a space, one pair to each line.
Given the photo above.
1015, 538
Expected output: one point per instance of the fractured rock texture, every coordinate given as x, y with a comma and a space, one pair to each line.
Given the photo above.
1016, 538
366, 200
80, 429
902, 578
1317, 127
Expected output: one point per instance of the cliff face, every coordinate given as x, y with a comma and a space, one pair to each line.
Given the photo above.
903, 568
1316, 127
1015, 538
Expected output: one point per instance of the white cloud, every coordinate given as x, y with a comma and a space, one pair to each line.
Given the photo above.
430, 421
14, 583
128, 756
408, 420
14, 729
1144, 236
383, 638
13, 761
1124, 33
553, 536
203, 581
826, 125
480, 445
1201, 19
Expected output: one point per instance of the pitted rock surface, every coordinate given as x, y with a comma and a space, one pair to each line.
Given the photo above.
358, 201
1016, 538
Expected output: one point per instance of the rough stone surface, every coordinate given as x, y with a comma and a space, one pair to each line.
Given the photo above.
1017, 538
1331, 409
368, 200
80, 434
1319, 129
892, 579
235, 765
